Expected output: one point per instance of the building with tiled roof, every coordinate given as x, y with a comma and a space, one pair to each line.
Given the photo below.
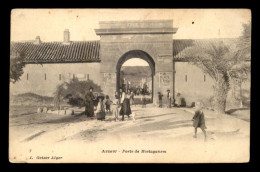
48, 64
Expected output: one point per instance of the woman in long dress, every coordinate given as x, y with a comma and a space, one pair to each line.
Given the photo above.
89, 104
125, 104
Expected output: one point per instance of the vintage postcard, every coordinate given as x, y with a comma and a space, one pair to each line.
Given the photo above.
130, 86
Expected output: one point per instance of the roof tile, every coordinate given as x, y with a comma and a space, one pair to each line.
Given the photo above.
88, 51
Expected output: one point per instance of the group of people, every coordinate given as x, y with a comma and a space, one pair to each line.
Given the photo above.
168, 99
122, 107
177, 101
101, 104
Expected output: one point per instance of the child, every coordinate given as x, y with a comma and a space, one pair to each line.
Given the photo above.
199, 121
116, 107
100, 108
132, 102
108, 103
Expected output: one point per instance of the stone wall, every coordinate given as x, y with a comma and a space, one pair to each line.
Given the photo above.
55, 74
192, 83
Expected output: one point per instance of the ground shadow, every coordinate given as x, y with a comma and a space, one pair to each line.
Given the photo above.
234, 110
35, 135
59, 119
143, 117
161, 125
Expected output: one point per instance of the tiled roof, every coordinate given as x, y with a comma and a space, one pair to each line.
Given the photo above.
57, 52
88, 51
179, 45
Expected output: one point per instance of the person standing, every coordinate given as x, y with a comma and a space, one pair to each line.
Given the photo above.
108, 102
199, 121
168, 99
132, 98
160, 99
89, 104
101, 115
178, 100
143, 101
116, 106
125, 105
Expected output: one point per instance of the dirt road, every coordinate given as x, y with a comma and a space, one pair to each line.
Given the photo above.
152, 126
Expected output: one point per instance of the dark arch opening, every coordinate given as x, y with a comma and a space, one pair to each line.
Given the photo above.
135, 54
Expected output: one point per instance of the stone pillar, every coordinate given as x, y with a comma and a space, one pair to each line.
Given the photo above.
164, 75
108, 84
164, 81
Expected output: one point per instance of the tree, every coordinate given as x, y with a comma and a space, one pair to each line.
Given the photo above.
240, 72
220, 61
244, 42
16, 65
224, 63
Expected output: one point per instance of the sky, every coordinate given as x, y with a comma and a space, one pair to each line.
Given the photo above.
135, 62
49, 24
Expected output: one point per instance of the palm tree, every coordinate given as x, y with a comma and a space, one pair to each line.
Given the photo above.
224, 63
221, 62
239, 72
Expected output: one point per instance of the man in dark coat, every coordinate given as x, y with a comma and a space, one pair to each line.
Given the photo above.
199, 121
89, 104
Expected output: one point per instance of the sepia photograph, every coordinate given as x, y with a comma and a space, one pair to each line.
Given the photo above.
130, 86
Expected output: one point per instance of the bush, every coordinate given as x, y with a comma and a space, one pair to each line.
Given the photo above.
74, 91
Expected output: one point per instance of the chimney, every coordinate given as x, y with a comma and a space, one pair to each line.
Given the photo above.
66, 36
37, 40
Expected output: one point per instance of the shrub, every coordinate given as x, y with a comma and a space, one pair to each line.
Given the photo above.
74, 91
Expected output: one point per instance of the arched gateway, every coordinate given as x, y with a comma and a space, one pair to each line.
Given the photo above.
148, 40
135, 54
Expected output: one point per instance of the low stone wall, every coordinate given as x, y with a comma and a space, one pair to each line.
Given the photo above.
59, 112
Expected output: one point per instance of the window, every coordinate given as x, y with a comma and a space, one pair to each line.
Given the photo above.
27, 76
204, 78
86, 76
186, 78
45, 76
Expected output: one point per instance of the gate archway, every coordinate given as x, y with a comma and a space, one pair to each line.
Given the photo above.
135, 54
150, 40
